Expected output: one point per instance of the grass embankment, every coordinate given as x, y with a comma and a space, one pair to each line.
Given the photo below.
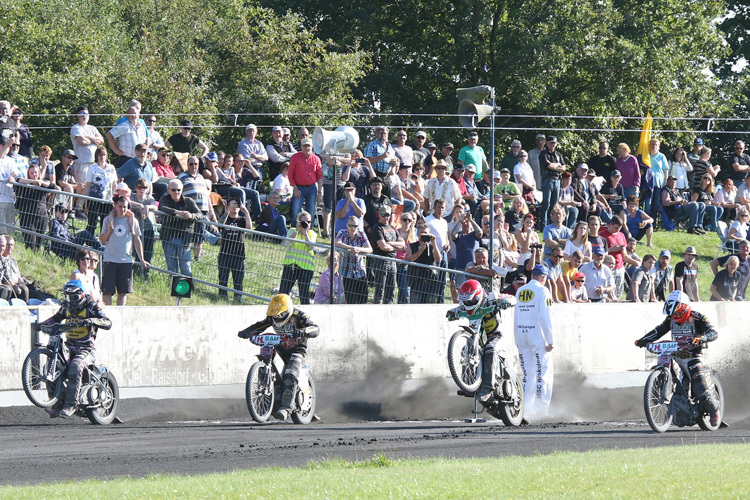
633, 473
263, 268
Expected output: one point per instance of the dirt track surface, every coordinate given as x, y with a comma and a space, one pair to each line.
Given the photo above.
175, 437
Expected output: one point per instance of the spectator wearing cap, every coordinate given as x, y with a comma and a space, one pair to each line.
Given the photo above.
58, 230
458, 177
127, 134
510, 159
349, 205
421, 153
386, 242
409, 186
598, 277
252, 148
302, 133
642, 282
614, 193
445, 154
397, 194
630, 170
686, 274
694, 154
306, 178
506, 188
743, 259
64, 173
85, 138
472, 196
403, 152
137, 168
120, 235
602, 162
540, 142
578, 292
24, 134
442, 187
743, 192
663, 275
185, 141
678, 208
209, 168
473, 153
518, 281
552, 165
163, 172
279, 152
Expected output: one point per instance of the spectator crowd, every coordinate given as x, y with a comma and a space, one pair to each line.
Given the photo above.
409, 219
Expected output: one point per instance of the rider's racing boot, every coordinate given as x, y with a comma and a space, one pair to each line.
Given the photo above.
715, 418
281, 414
485, 393
67, 410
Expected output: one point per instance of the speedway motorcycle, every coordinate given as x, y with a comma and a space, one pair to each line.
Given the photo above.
465, 362
667, 398
43, 378
264, 386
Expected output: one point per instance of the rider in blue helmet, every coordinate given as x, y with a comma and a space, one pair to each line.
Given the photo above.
77, 306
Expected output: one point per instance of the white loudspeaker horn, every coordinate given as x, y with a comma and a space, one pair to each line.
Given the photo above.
342, 140
471, 105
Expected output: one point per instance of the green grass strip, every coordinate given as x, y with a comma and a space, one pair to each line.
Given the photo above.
691, 471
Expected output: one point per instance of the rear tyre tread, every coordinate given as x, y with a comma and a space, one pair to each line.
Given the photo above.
102, 415
306, 417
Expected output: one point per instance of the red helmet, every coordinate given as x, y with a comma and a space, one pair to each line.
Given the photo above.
678, 307
470, 295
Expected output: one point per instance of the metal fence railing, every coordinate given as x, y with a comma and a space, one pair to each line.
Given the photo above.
256, 276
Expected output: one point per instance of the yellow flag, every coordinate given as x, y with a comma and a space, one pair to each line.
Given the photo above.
643, 145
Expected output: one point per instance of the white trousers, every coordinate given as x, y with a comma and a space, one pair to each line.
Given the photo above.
536, 366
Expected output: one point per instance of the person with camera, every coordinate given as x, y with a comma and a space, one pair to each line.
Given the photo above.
422, 281
299, 262
387, 243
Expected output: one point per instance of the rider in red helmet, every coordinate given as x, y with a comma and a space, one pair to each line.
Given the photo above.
474, 304
691, 330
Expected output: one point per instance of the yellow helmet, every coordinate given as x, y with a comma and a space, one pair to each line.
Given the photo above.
280, 309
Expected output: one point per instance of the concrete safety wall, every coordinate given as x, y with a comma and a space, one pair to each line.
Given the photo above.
198, 346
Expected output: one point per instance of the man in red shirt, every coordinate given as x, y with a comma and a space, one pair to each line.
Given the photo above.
306, 178
616, 245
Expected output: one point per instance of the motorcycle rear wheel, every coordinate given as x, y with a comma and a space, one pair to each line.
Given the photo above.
657, 410
41, 387
106, 413
512, 414
705, 421
463, 362
305, 417
259, 391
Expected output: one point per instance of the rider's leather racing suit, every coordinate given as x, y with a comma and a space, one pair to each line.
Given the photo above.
488, 311
689, 358
292, 350
80, 342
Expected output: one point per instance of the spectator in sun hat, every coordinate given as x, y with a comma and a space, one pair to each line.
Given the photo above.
686, 274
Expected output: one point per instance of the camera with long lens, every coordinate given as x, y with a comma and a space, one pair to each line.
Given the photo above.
304, 224
535, 246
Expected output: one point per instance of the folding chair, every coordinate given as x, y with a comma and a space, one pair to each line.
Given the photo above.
727, 245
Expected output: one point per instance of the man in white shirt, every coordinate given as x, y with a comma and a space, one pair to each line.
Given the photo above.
85, 139
439, 228
534, 339
442, 187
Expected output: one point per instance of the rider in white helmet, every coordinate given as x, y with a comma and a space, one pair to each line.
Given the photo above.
475, 304
298, 327
692, 331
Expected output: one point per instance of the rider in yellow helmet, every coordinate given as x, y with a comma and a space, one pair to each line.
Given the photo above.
298, 327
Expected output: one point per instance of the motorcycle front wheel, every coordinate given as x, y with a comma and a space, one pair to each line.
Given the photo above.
463, 361
42, 378
259, 391
705, 421
657, 410
105, 413
512, 414
305, 416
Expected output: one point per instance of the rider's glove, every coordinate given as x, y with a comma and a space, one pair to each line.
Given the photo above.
504, 304
297, 334
640, 343
244, 334
452, 315
87, 322
697, 341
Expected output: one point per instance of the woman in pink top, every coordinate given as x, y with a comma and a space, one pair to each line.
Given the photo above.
628, 166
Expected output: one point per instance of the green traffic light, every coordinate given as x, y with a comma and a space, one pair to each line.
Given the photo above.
182, 287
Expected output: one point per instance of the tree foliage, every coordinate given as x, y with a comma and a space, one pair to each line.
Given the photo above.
193, 58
